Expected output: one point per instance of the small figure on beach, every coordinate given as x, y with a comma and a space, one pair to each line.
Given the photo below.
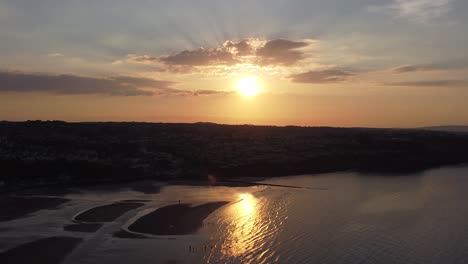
190, 248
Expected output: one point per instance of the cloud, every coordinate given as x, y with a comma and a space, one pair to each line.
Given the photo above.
458, 64
241, 48
72, 84
413, 68
140, 58
55, 55
280, 51
420, 11
249, 51
200, 57
323, 76
142, 82
211, 92
431, 83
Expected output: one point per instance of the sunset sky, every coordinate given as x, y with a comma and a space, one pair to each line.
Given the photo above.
373, 63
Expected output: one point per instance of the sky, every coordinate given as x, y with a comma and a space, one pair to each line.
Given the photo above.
346, 63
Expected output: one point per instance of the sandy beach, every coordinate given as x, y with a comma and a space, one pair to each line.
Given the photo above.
106, 213
50, 250
177, 219
82, 223
18, 207
87, 228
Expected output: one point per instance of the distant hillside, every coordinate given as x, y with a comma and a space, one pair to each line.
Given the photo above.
456, 129
57, 153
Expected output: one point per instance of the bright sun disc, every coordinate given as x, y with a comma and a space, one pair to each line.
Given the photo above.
248, 86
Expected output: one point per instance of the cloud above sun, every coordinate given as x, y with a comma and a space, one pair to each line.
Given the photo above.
276, 52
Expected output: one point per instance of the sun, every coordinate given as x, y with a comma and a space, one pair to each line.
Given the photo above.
248, 86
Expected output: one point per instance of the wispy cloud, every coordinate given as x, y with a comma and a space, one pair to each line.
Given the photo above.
431, 83
459, 64
55, 55
210, 92
140, 58
322, 76
412, 68
420, 11
72, 84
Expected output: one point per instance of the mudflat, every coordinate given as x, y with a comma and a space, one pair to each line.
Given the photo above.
51, 250
106, 213
177, 219
18, 207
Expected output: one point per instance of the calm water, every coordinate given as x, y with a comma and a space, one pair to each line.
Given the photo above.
338, 218
357, 219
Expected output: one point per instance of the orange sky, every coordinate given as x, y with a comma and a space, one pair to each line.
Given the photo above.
379, 64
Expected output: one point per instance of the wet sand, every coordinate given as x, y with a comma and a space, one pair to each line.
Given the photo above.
125, 234
135, 201
86, 228
50, 250
18, 207
106, 213
178, 219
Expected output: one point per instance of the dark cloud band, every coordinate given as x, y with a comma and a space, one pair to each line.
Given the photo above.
431, 83
74, 85
323, 76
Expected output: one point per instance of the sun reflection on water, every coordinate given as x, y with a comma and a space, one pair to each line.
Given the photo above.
242, 230
248, 229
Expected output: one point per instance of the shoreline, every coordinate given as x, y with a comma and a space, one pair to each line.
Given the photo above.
61, 190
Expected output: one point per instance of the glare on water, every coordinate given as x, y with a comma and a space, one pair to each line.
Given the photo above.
243, 229
248, 230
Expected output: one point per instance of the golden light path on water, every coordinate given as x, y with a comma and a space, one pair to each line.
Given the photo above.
248, 230
246, 214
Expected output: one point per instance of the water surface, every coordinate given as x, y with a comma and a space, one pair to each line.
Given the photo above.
357, 219
336, 218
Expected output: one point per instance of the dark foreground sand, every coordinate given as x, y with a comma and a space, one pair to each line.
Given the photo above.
50, 250
106, 213
88, 228
18, 207
178, 219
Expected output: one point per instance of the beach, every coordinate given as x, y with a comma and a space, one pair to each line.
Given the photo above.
106, 213
50, 250
16, 207
178, 219
76, 223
